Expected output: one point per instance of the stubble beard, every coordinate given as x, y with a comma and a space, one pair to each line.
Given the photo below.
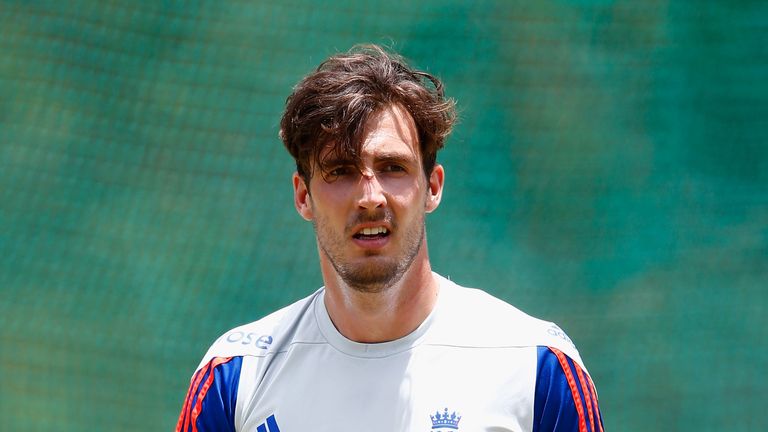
377, 273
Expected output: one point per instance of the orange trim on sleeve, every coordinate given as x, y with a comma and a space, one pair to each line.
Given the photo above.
189, 414
572, 384
587, 398
204, 390
183, 423
593, 391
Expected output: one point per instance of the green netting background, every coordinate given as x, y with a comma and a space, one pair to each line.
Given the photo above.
610, 173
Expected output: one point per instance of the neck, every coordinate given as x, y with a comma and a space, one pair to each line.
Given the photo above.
392, 313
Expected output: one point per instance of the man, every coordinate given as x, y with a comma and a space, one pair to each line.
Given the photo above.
386, 344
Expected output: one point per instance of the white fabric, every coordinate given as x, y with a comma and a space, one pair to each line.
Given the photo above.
474, 355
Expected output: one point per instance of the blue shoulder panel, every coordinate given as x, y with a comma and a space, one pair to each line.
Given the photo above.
210, 403
565, 399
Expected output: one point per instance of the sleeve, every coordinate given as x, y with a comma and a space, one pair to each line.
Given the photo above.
210, 401
565, 399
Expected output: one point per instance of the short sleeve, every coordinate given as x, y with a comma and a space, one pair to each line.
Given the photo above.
212, 396
565, 399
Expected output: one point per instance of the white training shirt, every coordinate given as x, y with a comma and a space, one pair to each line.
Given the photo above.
475, 364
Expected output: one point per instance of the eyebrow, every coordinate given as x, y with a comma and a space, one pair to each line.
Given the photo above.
399, 157
396, 157
326, 163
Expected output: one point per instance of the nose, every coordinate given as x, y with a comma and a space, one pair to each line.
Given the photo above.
371, 191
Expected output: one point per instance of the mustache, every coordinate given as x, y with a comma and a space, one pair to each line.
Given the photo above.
376, 215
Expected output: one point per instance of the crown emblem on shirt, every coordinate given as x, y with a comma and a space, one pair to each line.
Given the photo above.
445, 420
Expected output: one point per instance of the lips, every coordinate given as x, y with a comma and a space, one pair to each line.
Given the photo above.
371, 236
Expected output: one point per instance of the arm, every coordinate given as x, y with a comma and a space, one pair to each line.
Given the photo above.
210, 401
565, 399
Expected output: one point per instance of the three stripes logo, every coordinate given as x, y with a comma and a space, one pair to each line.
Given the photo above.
268, 426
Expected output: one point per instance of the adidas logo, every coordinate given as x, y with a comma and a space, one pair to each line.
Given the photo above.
269, 426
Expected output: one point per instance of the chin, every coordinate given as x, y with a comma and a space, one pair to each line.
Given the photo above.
373, 277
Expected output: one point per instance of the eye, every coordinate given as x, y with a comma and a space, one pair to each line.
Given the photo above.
394, 168
341, 171
338, 171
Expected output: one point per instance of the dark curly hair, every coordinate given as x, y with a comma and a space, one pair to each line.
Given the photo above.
330, 107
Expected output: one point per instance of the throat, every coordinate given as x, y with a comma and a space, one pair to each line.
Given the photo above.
368, 317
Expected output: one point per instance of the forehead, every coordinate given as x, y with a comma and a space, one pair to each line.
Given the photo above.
391, 130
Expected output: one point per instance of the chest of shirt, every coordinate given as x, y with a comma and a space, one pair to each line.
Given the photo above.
426, 388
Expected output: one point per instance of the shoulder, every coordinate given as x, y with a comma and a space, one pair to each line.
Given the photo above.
211, 401
565, 398
219, 377
478, 318
259, 338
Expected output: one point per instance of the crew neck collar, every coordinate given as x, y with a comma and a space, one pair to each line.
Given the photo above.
380, 349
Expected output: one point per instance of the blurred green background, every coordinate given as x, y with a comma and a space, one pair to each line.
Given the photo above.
610, 173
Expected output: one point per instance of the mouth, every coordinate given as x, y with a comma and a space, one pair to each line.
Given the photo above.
371, 233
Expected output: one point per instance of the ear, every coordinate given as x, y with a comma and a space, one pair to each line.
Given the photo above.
301, 199
435, 188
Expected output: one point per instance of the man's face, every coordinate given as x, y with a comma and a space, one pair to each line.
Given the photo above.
369, 219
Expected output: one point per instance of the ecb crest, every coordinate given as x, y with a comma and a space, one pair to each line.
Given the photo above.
445, 422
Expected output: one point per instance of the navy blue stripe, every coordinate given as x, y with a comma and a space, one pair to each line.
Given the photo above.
272, 424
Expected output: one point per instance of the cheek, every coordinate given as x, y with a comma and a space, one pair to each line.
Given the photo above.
413, 202
406, 188
330, 209
328, 197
